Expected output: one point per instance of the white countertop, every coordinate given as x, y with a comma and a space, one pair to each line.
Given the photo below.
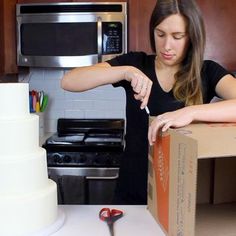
83, 220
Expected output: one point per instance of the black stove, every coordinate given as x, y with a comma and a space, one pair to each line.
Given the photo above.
86, 143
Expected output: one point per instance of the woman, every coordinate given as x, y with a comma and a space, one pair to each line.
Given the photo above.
175, 83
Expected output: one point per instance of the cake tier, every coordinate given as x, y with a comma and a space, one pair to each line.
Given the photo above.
26, 174
19, 136
14, 100
24, 214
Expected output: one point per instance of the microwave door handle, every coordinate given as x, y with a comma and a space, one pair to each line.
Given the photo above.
99, 38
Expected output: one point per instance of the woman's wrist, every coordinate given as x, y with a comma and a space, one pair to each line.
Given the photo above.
127, 70
193, 112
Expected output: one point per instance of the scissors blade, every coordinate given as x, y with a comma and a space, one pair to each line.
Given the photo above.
111, 228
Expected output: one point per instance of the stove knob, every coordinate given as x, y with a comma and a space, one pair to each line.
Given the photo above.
108, 162
57, 158
67, 159
82, 159
97, 160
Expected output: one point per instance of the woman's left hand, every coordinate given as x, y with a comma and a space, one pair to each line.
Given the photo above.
163, 122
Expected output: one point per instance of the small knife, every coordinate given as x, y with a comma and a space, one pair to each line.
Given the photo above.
147, 110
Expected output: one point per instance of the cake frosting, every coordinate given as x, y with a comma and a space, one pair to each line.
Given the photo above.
28, 198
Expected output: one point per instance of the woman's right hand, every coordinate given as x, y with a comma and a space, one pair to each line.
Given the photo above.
140, 83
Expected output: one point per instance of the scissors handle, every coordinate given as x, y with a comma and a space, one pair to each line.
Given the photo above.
110, 216
107, 214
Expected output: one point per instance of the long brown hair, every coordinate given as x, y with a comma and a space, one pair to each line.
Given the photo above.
187, 87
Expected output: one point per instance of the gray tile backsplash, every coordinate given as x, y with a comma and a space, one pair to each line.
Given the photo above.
101, 102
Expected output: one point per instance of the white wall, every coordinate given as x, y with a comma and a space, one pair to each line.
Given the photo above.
102, 102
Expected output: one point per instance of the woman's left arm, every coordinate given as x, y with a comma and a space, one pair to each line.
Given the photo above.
221, 111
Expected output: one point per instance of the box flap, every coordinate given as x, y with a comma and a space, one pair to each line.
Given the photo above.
214, 139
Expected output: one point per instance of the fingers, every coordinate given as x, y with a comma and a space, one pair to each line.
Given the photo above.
145, 93
142, 87
174, 119
140, 83
153, 131
136, 82
146, 96
158, 125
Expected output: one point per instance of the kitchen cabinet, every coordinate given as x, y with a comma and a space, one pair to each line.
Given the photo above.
7, 37
139, 16
219, 20
219, 17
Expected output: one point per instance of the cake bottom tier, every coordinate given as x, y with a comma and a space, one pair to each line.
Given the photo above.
25, 214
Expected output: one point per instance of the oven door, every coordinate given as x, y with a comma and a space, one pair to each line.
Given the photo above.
84, 185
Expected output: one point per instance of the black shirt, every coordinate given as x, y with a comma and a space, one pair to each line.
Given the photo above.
132, 184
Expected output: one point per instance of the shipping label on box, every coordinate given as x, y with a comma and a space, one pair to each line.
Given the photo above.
173, 169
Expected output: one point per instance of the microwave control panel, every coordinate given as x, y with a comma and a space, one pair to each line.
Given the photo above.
112, 38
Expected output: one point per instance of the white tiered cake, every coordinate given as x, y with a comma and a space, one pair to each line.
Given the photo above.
28, 199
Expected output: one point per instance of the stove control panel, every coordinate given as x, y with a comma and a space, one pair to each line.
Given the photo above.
86, 159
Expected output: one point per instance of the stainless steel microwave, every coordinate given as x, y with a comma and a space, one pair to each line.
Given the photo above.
70, 34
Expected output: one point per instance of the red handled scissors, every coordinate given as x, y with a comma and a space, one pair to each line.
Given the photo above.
110, 216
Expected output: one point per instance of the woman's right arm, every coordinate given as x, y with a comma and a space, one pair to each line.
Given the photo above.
88, 77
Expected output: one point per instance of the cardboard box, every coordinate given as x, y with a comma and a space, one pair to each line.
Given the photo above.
192, 180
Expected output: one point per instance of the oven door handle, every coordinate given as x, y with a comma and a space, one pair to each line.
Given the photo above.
102, 177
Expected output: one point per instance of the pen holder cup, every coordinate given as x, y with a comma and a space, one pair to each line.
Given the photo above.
41, 124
